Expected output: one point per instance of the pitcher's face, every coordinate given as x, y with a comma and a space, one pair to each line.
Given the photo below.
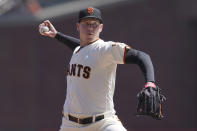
89, 29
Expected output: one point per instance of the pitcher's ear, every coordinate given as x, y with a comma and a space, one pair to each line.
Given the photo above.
101, 27
77, 25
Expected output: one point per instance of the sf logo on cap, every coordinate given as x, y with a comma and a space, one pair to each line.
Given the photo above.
90, 10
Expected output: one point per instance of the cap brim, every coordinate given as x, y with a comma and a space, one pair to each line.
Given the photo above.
100, 20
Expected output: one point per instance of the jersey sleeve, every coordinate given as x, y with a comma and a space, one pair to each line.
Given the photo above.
116, 52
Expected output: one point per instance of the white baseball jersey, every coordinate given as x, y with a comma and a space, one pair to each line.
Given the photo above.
91, 78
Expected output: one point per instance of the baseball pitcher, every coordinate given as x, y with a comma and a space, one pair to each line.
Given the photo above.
91, 77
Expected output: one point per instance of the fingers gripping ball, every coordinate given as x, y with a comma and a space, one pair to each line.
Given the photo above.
150, 102
44, 28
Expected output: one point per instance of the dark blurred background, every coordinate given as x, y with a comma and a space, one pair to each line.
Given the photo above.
32, 68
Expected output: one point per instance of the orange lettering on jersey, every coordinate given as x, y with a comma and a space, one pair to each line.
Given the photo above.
86, 72
79, 69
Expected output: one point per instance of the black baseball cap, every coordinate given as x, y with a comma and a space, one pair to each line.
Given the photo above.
90, 12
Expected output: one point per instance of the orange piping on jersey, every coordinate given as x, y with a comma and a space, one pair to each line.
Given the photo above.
126, 47
124, 54
160, 113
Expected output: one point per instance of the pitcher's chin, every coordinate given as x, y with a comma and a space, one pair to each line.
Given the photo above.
90, 39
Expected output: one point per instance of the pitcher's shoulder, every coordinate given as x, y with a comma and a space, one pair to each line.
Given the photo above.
109, 44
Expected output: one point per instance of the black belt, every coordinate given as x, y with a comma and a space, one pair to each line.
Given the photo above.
87, 120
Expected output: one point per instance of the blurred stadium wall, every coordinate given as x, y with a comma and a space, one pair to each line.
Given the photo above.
32, 69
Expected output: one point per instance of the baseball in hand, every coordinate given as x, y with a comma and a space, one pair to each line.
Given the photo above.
44, 29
